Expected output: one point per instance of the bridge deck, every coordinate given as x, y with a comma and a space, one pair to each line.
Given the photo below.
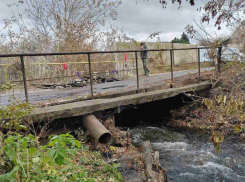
89, 106
64, 95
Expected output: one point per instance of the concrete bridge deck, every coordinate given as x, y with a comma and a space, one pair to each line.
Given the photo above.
89, 106
64, 95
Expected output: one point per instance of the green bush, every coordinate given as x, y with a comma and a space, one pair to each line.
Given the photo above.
62, 159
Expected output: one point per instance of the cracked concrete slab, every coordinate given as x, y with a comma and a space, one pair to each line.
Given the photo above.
89, 106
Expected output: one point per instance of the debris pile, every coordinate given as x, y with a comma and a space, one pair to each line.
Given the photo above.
80, 82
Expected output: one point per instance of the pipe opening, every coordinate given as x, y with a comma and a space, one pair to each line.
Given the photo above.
105, 138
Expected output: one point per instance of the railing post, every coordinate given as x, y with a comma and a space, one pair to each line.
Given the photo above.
171, 58
137, 72
199, 65
91, 77
219, 59
24, 77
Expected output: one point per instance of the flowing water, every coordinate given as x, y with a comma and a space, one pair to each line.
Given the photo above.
187, 155
190, 156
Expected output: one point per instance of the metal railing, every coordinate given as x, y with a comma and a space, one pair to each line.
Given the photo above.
22, 55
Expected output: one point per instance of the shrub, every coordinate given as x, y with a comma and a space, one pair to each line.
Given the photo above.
63, 159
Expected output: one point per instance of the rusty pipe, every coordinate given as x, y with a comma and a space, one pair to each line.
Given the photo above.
96, 129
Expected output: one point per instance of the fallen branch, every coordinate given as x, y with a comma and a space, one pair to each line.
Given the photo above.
237, 87
216, 83
146, 148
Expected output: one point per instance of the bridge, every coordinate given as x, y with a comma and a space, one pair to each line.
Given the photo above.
110, 95
85, 107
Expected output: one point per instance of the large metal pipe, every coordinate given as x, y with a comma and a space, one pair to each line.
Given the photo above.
96, 129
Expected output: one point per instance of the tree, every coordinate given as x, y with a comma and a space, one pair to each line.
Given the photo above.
63, 25
230, 12
180, 41
222, 11
57, 26
185, 37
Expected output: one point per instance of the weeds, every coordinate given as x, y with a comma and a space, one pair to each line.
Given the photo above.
63, 158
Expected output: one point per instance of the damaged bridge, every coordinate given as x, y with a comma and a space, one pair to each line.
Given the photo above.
138, 90
89, 106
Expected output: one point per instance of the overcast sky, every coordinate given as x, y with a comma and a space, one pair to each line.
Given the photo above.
145, 17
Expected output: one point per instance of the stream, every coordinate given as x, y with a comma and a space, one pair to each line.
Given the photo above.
190, 156
187, 155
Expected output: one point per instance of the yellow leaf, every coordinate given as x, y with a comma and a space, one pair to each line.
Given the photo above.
242, 117
205, 101
234, 105
219, 99
221, 118
238, 128
216, 139
54, 171
228, 110
218, 148
221, 138
225, 98
49, 171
